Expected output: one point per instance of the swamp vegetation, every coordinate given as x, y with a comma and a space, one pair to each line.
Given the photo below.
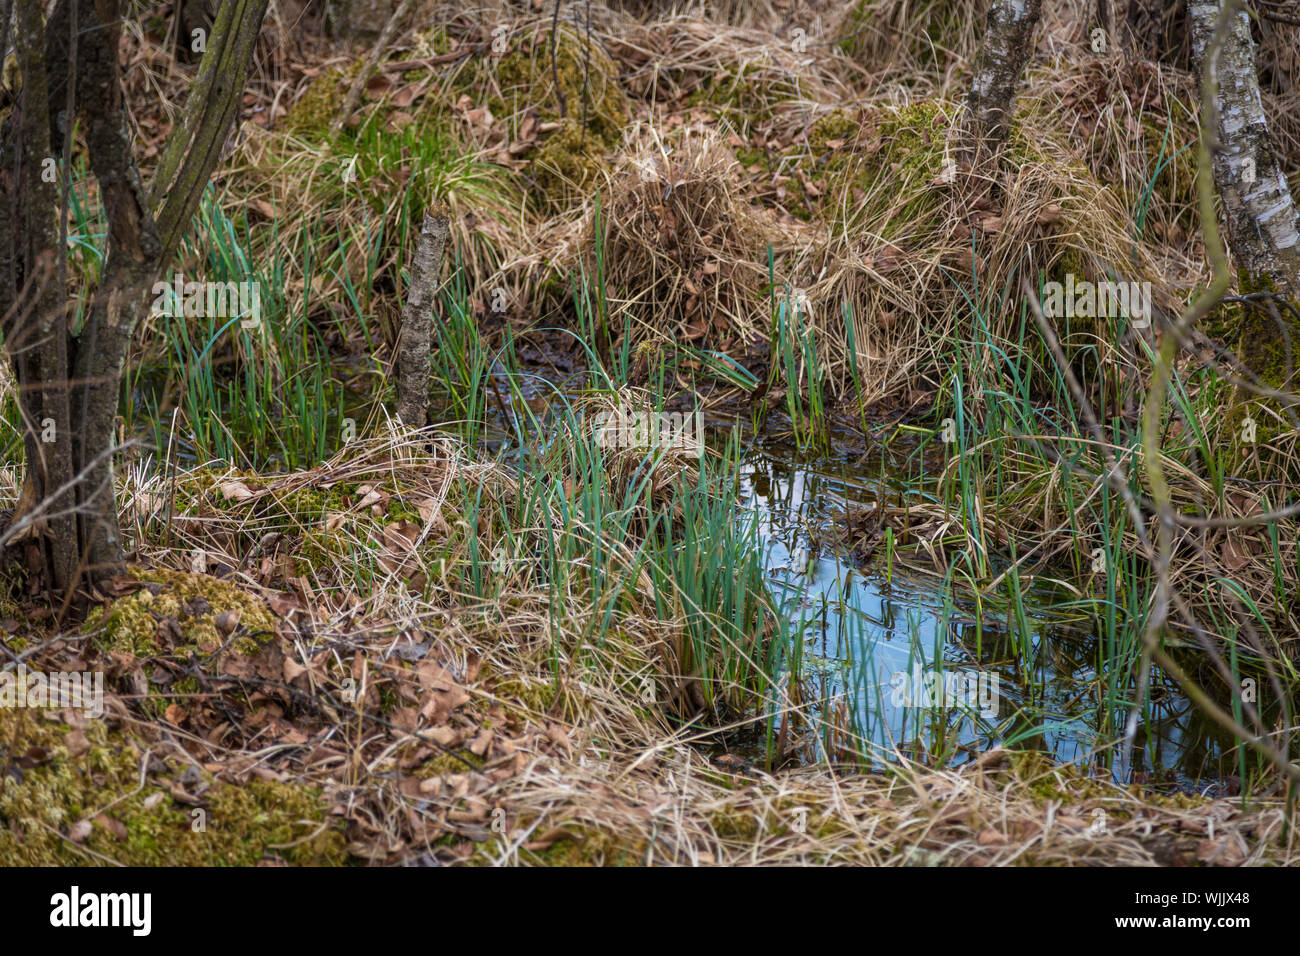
818, 458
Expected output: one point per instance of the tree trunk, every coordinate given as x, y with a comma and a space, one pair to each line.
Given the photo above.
1262, 228
358, 20
69, 385
1008, 45
414, 338
36, 335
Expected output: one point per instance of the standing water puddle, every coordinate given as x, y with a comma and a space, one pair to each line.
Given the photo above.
917, 667
928, 669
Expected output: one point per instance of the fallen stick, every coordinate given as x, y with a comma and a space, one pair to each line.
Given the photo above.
428, 62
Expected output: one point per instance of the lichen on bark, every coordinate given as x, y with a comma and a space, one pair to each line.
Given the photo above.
1257, 206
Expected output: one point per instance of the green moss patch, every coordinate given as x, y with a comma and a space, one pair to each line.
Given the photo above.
524, 83
74, 798
899, 147
320, 102
177, 610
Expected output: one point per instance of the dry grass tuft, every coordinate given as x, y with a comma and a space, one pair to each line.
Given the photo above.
682, 249
924, 44
918, 250
640, 450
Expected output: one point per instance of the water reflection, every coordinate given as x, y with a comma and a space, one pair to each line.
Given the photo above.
913, 664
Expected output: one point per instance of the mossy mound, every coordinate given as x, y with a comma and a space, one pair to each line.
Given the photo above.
320, 102
319, 520
406, 148
1068, 785
531, 697
571, 160
579, 89
1269, 346
176, 610
62, 807
586, 76
458, 761
880, 164
1267, 340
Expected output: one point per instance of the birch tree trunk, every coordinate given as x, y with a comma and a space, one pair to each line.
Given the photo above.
1008, 45
1262, 228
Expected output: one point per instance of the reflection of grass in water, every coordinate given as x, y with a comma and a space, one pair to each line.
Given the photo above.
991, 630
1052, 695
1025, 479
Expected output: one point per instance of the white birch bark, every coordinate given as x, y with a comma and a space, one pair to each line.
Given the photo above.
1260, 215
1008, 45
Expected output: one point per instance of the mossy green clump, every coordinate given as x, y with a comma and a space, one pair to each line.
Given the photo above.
46, 791
536, 698
916, 132
1263, 344
354, 544
136, 623
458, 761
300, 513
833, 131
287, 511
903, 149
1069, 785
780, 818
1071, 261
320, 102
1048, 780
569, 161
587, 77
736, 825
198, 492
820, 158
1268, 349
796, 200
